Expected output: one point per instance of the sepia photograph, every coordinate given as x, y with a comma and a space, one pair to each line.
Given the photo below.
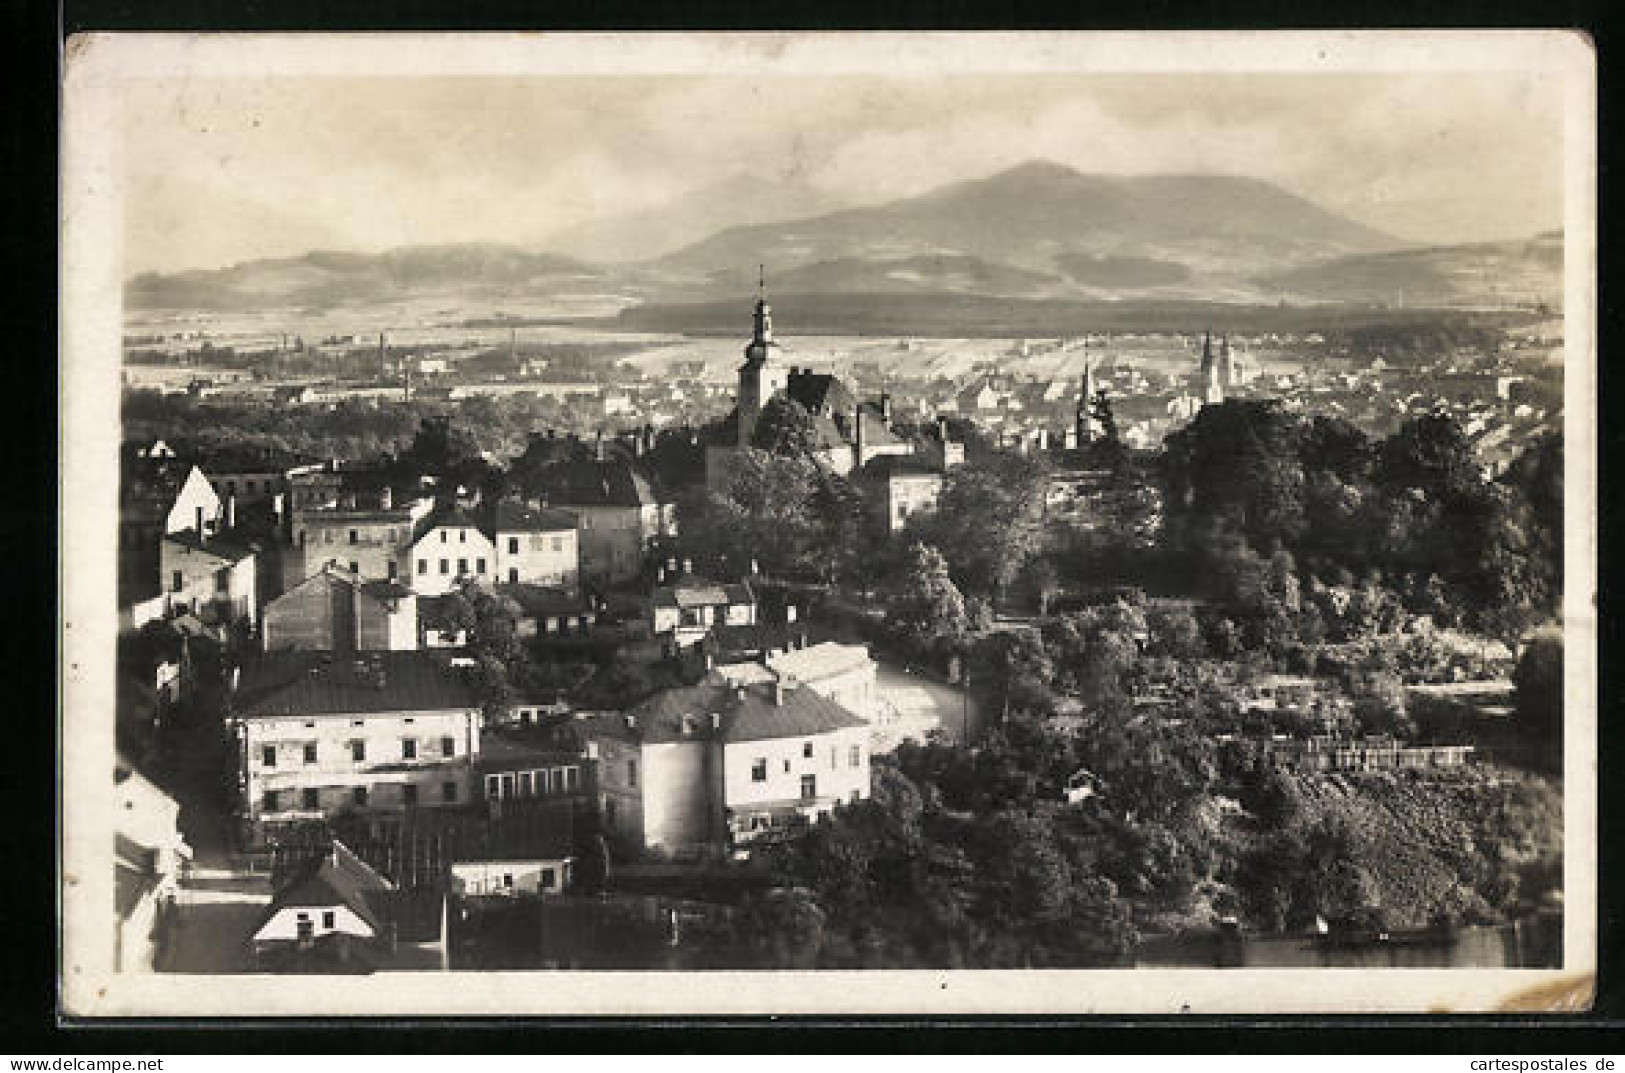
827, 523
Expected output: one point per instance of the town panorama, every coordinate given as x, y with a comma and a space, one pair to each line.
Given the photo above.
1050, 569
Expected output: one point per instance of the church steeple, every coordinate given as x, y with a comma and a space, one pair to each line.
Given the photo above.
759, 378
1085, 422
762, 322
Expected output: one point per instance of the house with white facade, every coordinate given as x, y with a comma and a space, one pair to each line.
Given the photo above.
149, 854
717, 766
843, 673
536, 546
691, 606
451, 547
380, 733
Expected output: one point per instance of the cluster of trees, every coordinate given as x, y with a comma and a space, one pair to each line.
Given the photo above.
1267, 504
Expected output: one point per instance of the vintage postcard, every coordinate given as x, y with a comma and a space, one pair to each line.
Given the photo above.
1062, 523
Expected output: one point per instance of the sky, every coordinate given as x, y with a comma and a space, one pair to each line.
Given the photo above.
222, 170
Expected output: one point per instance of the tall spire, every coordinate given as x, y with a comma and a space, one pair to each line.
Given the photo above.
762, 327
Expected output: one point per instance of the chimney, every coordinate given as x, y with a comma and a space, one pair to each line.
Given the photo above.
1043, 439
231, 511
778, 692
716, 720
688, 566
942, 428
598, 446
386, 498
789, 612
671, 566
660, 575
885, 409
631, 722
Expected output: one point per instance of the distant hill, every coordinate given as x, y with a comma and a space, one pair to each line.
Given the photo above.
325, 278
1485, 273
741, 199
1096, 234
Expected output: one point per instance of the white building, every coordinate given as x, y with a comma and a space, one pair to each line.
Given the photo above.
536, 547
715, 765
319, 734
843, 673
451, 547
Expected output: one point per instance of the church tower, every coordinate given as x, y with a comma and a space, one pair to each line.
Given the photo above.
1212, 382
1088, 429
1227, 366
760, 377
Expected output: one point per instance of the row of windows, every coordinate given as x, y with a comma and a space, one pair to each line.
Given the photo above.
385, 536
854, 758
445, 566
358, 751
310, 798
538, 783
536, 544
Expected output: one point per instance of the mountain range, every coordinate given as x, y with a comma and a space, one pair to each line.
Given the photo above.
1036, 231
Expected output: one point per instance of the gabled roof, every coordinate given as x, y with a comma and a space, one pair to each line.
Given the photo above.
886, 467
512, 517
693, 590
318, 683
815, 391
748, 713
447, 518
338, 878
224, 550
595, 484
541, 600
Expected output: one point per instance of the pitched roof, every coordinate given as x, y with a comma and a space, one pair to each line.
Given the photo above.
595, 484
447, 518
886, 467
815, 391
821, 661
317, 683
541, 600
748, 713
221, 549
512, 517
338, 878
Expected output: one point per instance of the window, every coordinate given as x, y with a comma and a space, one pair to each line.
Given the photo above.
448, 746
355, 538
442, 536
448, 791
409, 795
355, 567
310, 752
358, 796
327, 919
513, 545
855, 756
222, 581
445, 566
758, 769
547, 878
809, 787
176, 582
507, 880
327, 536
632, 774
524, 784
787, 767
310, 798
507, 786
271, 804
479, 566
558, 544
409, 749
268, 756
807, 751
462, 567
572, 779
393, 569
423, 566
513, 575
493, 787
358, 751
462, 536
833, 757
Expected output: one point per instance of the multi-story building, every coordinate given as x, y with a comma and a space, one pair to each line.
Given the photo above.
714, 766
450, 547
536, 546
210, 577
618, 512
901, 488
692, 606
320, 734
365, 534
